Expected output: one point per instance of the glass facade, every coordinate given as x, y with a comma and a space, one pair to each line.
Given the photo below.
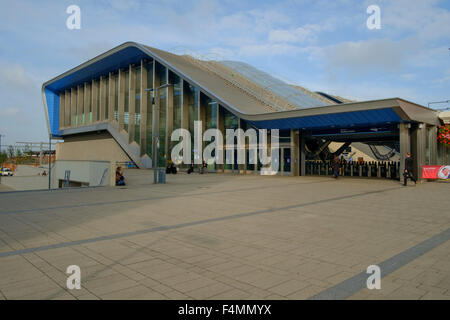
230, 122
162, 127
176, 112
210, 119
191, 95
176, 81
210, 111
74, 98
161, 73
126, 114
107, 98
88, 107
116, 96
149, 129
81, 105
96, 88
137, 106
88, 100
287, 160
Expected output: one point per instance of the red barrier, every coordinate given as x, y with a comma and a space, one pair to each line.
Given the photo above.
436, 172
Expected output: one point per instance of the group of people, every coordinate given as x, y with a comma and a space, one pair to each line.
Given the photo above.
338, 167
171, 168
203, 169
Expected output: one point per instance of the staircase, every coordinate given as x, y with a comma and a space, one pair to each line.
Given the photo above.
133, 150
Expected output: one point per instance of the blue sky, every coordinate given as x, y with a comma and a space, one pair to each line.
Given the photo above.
321, 45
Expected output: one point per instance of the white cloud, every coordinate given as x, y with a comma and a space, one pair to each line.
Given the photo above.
363, 57
9, 111
124, 4
89, 50
301, 34
424, 18
15, 76
269, 49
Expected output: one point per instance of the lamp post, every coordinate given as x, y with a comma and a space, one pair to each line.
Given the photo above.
155, 131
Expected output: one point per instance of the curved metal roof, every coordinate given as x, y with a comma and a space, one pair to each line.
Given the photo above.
230, 96
298, 98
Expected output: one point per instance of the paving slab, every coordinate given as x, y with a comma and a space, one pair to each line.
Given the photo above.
221, 236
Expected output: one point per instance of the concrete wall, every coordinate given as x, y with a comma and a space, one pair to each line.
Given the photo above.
89, 173
27, 170
92, 147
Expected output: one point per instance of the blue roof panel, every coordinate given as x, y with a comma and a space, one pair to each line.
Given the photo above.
345, 119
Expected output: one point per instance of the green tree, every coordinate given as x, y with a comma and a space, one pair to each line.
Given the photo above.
3, 157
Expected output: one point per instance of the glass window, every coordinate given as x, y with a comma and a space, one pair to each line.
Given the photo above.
116, 97
150, 95
192, 102
211, 113
176, 114
211, 119
88, 107
97, 99
137, 106
107, 98
161, 73
176, 81
162, 127
81, 104
75, 98
126, 114
230, 122
287, 159
67, 108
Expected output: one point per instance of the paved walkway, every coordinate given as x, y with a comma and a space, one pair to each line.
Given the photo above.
220, 236
4, 188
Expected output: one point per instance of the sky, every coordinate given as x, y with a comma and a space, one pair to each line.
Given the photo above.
321, 45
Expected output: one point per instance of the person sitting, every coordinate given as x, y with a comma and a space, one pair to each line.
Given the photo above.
120, 179
173, 168
204, 167
191, 167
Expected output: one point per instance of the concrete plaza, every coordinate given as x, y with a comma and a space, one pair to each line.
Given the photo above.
223, 236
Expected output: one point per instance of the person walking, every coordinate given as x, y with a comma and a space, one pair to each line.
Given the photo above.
336, 165
408, 170
342, 166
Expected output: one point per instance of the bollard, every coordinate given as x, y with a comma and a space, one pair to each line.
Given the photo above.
161, 176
